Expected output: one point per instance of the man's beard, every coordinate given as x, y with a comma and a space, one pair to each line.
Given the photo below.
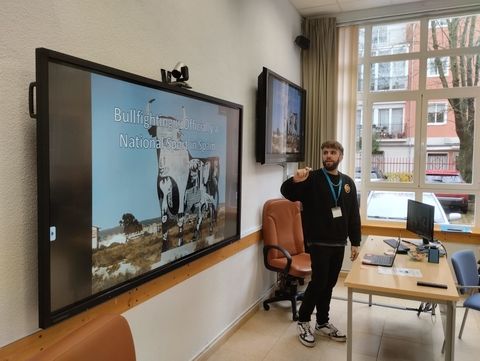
331, 167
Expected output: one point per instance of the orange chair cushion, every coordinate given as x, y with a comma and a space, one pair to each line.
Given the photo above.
300, 267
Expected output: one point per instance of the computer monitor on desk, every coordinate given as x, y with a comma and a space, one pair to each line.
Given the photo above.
420, 220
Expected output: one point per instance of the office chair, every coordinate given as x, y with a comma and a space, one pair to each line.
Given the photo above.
465, 267
284, 251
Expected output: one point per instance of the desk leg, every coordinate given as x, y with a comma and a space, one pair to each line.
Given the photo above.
450, 332
349, 325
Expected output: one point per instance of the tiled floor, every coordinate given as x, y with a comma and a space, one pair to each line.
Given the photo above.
380, 334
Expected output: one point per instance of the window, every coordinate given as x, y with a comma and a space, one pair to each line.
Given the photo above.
437, 23
388, 120
458, 71
359, 117
416, 109
358, 135
360, 78
379, 37
453, 33
437, 161
394, 38
437, 113
361, 42
434, 65
389, 76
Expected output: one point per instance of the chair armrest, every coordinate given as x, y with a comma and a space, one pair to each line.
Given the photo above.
469, 290
287, 255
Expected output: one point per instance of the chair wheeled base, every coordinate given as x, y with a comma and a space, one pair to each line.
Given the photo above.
287, 291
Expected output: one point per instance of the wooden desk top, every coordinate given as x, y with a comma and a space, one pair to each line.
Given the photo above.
367, 278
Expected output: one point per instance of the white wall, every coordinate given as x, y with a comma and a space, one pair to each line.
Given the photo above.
225, 43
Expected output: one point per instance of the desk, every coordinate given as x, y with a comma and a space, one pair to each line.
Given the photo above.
366, 279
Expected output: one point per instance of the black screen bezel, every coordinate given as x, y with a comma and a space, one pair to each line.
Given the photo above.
47, 316
264, 121
417, 209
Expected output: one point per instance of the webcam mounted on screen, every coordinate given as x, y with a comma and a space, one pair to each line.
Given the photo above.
179, 73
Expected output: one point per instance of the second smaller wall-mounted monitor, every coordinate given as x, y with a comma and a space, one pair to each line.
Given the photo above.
280, 134
420, 220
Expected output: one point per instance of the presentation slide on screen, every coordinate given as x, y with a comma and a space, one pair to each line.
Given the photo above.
158, 178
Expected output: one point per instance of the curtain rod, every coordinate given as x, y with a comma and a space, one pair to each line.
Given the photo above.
375, 15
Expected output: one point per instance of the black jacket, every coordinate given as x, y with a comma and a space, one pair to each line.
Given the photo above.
319, 226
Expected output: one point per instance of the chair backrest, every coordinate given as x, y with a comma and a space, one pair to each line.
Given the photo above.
282, 226
465, 267
105, 338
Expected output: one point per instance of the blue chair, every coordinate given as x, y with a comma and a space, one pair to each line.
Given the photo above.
465, 267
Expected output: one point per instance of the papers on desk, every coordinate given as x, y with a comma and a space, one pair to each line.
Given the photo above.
399, 271
455, 228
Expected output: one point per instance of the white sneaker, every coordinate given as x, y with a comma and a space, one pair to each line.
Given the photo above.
329, 330
305, 334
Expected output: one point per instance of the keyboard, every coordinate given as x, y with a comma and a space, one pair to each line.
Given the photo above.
378, 260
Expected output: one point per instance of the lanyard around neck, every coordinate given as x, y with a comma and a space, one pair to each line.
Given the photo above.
336, 197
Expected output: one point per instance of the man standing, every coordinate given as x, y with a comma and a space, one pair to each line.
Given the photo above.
330, 214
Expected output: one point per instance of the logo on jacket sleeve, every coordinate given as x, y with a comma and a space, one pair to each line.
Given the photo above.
347, 188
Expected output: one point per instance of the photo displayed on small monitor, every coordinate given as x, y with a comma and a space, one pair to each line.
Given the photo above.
280, 115
420, 220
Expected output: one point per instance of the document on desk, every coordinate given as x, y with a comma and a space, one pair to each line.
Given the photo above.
399, 271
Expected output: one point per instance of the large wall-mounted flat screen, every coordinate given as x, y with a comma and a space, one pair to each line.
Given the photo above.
280, 134
135, 178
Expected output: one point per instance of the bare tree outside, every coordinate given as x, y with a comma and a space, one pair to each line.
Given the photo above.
464, 71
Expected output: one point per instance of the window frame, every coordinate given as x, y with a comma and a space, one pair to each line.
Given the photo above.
420, 96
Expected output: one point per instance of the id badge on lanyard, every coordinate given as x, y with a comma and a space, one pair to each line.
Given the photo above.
336, 211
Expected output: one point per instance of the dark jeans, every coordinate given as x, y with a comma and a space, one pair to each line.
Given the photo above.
326, 265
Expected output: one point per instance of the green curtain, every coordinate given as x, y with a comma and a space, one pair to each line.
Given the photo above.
319, 76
